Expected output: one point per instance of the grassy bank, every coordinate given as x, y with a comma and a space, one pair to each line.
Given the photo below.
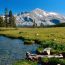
43, 34
25, 62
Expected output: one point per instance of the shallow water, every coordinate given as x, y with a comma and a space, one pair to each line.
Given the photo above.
13, 49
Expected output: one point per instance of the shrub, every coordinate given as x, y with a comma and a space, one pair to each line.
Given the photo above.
39, 50
45, 60
53, 61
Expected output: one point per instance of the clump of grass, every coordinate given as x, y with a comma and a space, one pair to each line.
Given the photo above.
28, 42
20, 32
39, 50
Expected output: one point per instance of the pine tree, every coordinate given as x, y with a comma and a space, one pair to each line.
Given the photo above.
1, 22
11, 19
10, 13
6, 18
41, 25
34, 24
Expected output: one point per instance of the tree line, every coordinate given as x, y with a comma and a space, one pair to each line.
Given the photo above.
8, 20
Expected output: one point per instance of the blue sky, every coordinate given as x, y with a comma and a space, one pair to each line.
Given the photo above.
29, 5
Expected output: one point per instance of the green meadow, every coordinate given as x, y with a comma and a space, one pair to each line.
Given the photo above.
56, 34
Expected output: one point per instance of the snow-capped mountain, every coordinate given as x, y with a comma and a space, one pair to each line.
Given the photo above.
39, 17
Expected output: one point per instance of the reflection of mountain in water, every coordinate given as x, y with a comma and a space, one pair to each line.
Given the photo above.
13, 49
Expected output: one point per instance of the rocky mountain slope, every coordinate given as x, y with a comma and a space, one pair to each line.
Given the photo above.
39, 17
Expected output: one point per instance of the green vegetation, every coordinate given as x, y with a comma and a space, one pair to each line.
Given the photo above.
43, 61
29, 42
8, 20
56, 47
59, 25
1, 22
41, 34
11, 19
25, 62
52, 61
46, 37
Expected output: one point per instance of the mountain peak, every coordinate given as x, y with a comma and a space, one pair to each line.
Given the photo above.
38, 9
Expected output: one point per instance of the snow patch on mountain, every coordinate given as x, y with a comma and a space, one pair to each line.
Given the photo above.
39, 17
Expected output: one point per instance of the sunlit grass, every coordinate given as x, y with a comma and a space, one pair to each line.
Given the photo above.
43, 34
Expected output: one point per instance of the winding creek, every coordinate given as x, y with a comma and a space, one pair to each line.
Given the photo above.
13, 49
